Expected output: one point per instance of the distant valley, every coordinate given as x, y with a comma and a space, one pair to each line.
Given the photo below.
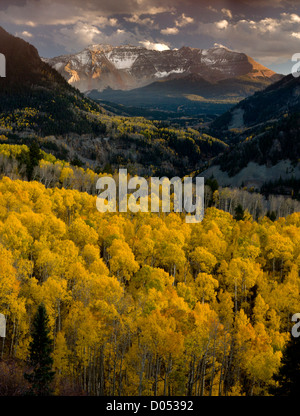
222, 115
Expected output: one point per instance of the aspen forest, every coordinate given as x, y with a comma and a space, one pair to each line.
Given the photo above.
109, 291
144, 304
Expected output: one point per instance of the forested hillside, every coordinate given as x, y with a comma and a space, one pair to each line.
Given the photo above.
38, 103
145, 304
36, 99
263, 134
187, 95
30, 163
266, 144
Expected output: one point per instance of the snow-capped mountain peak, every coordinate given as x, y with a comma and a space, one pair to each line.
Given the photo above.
128, 66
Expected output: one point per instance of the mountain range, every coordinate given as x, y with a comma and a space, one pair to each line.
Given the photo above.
196, 80
127, 67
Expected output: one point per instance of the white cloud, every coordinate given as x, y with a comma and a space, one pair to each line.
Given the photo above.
147, 21
80, 35
184, 20
155, 10
212, 9
169, 31
222, 24
219, 45
24, 34
30, 23
227, 13
295, 18
296, 35
268, 40
112, 22
269, 24
155, 46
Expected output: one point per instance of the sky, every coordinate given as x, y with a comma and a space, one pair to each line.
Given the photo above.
266, 30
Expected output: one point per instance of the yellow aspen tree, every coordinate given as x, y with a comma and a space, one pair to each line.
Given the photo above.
81, 233
122, 262
205, 287
203, 260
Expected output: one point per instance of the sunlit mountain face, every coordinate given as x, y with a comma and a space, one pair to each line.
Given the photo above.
127, 67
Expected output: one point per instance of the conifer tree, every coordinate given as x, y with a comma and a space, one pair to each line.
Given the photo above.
40, 358
34, 157
239, 213
288, 376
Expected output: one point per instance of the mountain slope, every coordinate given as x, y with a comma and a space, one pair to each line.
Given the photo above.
24, 67
127, 67
37, 99
191, 94
264, 132
269, 104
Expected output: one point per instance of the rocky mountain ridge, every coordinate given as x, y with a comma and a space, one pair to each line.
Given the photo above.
126, 67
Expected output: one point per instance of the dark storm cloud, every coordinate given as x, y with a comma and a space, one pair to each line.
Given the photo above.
48, 12
38, 9
5, 3
266, 30
59, 12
